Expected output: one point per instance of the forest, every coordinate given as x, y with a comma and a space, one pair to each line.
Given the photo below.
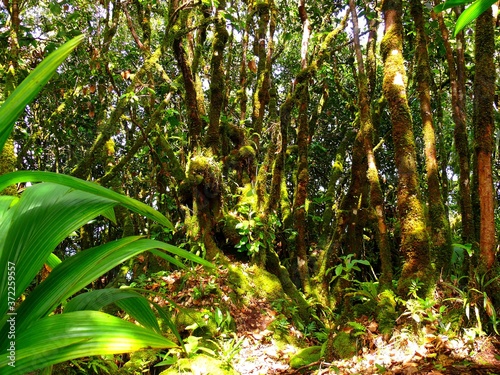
249, 187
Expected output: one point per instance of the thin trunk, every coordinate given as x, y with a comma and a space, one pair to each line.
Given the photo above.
195, 122
439, 225
261, 92
414, 236
217, 85
299, 209
367, 133
484, 125
456, 67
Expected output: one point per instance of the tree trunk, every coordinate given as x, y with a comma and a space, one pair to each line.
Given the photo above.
414, 237
484, 95
217, 85
299, 209
439, 225
261, 92
456, 67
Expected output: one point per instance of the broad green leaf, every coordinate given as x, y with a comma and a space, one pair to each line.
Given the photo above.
78, 271
139, 308
471, 13
31, 86
89, 187
5, 202
53, 261
59, 338
168, 258
45, 215
133, 303
450, 4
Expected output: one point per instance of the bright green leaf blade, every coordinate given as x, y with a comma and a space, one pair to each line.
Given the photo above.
5, 202
450, 4
139, 308
74, 274
133, 303
97, 299
75, 183
471, 13
31, 86
53, 261
183, 254
168, 258
45, 215
78, 271
59, 338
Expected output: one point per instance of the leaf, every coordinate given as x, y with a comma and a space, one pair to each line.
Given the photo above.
78, 271
133, 303
471, 13
450, 4
75, 335
30, 87
89, 187
31, 229
53, 261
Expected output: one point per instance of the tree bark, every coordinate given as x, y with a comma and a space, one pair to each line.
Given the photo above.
456, 67
366, 133
414, 237
299, 209
484, 125
439, 225
217, 85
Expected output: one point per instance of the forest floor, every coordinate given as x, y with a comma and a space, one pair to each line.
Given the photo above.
257, 349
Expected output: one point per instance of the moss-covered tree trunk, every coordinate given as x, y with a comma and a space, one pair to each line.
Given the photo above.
439, 226
261, 92
217, 85
191, 96
414, 236
367, 133
457, 71
484, 126
300, 196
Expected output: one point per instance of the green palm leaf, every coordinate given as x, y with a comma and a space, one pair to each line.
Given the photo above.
89, 187
31, 86
133, 303
31, 229
59, 338
471, 13
450, 4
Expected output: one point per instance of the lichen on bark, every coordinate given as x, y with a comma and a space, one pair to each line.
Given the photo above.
414, 237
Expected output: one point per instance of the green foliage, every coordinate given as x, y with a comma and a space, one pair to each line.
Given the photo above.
476, 298
345, 270
29, 88
255, 233
469, 14
30, 229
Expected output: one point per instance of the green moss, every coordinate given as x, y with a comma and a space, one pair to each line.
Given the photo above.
200, 364
386, 308
255, 282
197, 321
140, 361
8, 164
343, 345
305, 357
246, 152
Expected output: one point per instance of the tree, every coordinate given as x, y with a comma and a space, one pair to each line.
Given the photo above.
414, 235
